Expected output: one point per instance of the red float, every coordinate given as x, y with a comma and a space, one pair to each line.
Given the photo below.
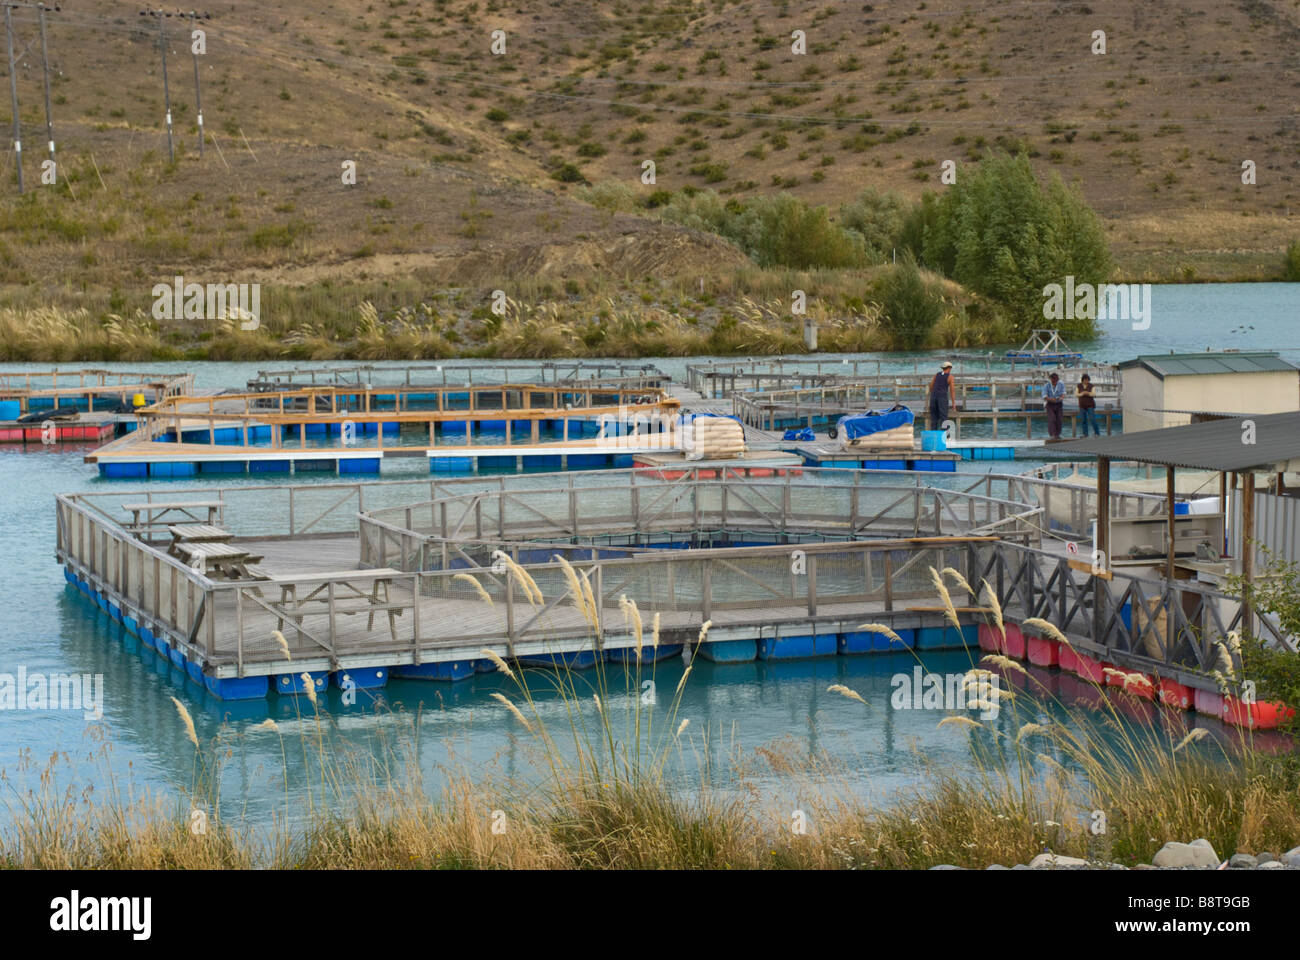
1208, 702
1090, 669
989, 639
1015, 641
1066, 659
1174, 694
1043, 652
1254, 716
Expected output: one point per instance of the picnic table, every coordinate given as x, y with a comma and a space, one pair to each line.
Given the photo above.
219, 560
340, 593
199, 533
156, 513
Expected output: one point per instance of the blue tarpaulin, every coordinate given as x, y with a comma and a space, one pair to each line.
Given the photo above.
864, 424
688, 417
803, 434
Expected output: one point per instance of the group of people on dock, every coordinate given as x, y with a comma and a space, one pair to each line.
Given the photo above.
943, 399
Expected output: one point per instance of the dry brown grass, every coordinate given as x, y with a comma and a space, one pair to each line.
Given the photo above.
457, 199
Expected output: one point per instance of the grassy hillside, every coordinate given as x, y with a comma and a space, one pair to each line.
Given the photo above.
469, 164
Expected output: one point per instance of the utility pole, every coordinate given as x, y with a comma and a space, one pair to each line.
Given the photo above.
45, 69
198, 100
13, 97
167, 92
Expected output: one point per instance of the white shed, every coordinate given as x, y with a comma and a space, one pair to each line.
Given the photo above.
1164, 390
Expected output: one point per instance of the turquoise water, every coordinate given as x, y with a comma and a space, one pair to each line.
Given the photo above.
46, 626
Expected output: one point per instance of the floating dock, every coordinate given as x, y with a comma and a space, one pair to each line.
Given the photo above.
379, 600
640, 376
83, 389
830, 454
782, 567
83, 428
351, 429
996, 400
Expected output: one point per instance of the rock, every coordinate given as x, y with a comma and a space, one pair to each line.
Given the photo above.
1264, 857
946, 866
1144, 866
1174, 855
1273, 865
1020, 866
1052, 861
1292, 857
1242, 861
996, 866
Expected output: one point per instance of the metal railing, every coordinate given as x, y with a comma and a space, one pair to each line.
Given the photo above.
569, 373
638, 510
1004, 396
717, 380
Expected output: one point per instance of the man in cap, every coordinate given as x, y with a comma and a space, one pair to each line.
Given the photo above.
941, 395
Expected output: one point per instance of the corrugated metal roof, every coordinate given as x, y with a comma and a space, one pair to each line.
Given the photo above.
1199, 364
1202, 413
1214, 445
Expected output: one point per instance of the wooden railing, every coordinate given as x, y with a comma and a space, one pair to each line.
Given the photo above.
1181, 626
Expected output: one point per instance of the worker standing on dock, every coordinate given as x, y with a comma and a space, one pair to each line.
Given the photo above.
941, 395
1053, 403
1087, 405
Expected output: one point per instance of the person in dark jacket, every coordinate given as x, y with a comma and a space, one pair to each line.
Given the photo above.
941, 395
1087, 405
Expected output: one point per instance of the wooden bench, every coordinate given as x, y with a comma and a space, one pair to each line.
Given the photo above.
186, 511
196, 533
216, 559
376, 600
199, 533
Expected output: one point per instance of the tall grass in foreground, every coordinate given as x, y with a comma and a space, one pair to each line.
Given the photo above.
603, 795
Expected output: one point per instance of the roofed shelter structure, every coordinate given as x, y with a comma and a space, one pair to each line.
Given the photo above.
1244, 447
1160, 390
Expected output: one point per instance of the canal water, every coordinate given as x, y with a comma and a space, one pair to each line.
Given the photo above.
740, 715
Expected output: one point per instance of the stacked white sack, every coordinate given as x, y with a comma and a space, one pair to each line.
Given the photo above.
714, 438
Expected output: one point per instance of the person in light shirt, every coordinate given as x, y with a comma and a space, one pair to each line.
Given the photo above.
1054, 403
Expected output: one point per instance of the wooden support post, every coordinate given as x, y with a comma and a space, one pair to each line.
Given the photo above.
1247, 548
1223, 510
1101, 542
1169, 508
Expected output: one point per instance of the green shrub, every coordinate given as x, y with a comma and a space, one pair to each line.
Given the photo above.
1274, 670
780, 231
919, 223
568, 173
1000, 233
911, 307
612, 195
878, 218
1291, 265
